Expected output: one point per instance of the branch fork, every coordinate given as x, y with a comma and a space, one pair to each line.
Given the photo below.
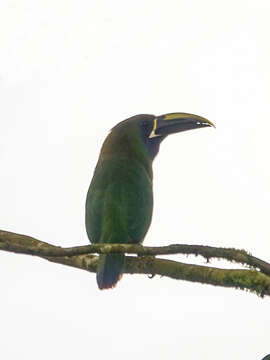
256, 278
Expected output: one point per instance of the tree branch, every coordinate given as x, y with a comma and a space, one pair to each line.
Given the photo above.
80, 257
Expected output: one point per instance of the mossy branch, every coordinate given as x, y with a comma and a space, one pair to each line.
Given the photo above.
256, 279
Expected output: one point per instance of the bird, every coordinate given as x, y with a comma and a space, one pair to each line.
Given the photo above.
119, 201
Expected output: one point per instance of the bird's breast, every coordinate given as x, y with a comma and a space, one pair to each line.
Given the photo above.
119, 203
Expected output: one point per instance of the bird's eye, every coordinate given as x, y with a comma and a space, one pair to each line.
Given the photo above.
146, 127
145, 123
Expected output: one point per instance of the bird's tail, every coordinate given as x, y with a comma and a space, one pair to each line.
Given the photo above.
110, 270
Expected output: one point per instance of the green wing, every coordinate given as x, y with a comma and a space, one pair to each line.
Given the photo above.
119, 203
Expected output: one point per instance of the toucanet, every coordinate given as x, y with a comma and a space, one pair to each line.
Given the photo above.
119, 202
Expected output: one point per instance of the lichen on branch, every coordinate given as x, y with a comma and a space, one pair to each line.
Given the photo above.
256, 279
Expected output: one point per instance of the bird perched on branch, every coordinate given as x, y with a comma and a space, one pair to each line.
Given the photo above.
119, 202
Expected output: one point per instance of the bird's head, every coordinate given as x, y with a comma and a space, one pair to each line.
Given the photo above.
153, 129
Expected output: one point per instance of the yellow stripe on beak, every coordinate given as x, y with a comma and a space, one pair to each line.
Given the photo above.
153, 132
175, 116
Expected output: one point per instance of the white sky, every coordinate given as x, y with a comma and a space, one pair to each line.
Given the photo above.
69, 71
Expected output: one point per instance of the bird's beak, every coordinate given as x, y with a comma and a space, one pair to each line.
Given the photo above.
175, 122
